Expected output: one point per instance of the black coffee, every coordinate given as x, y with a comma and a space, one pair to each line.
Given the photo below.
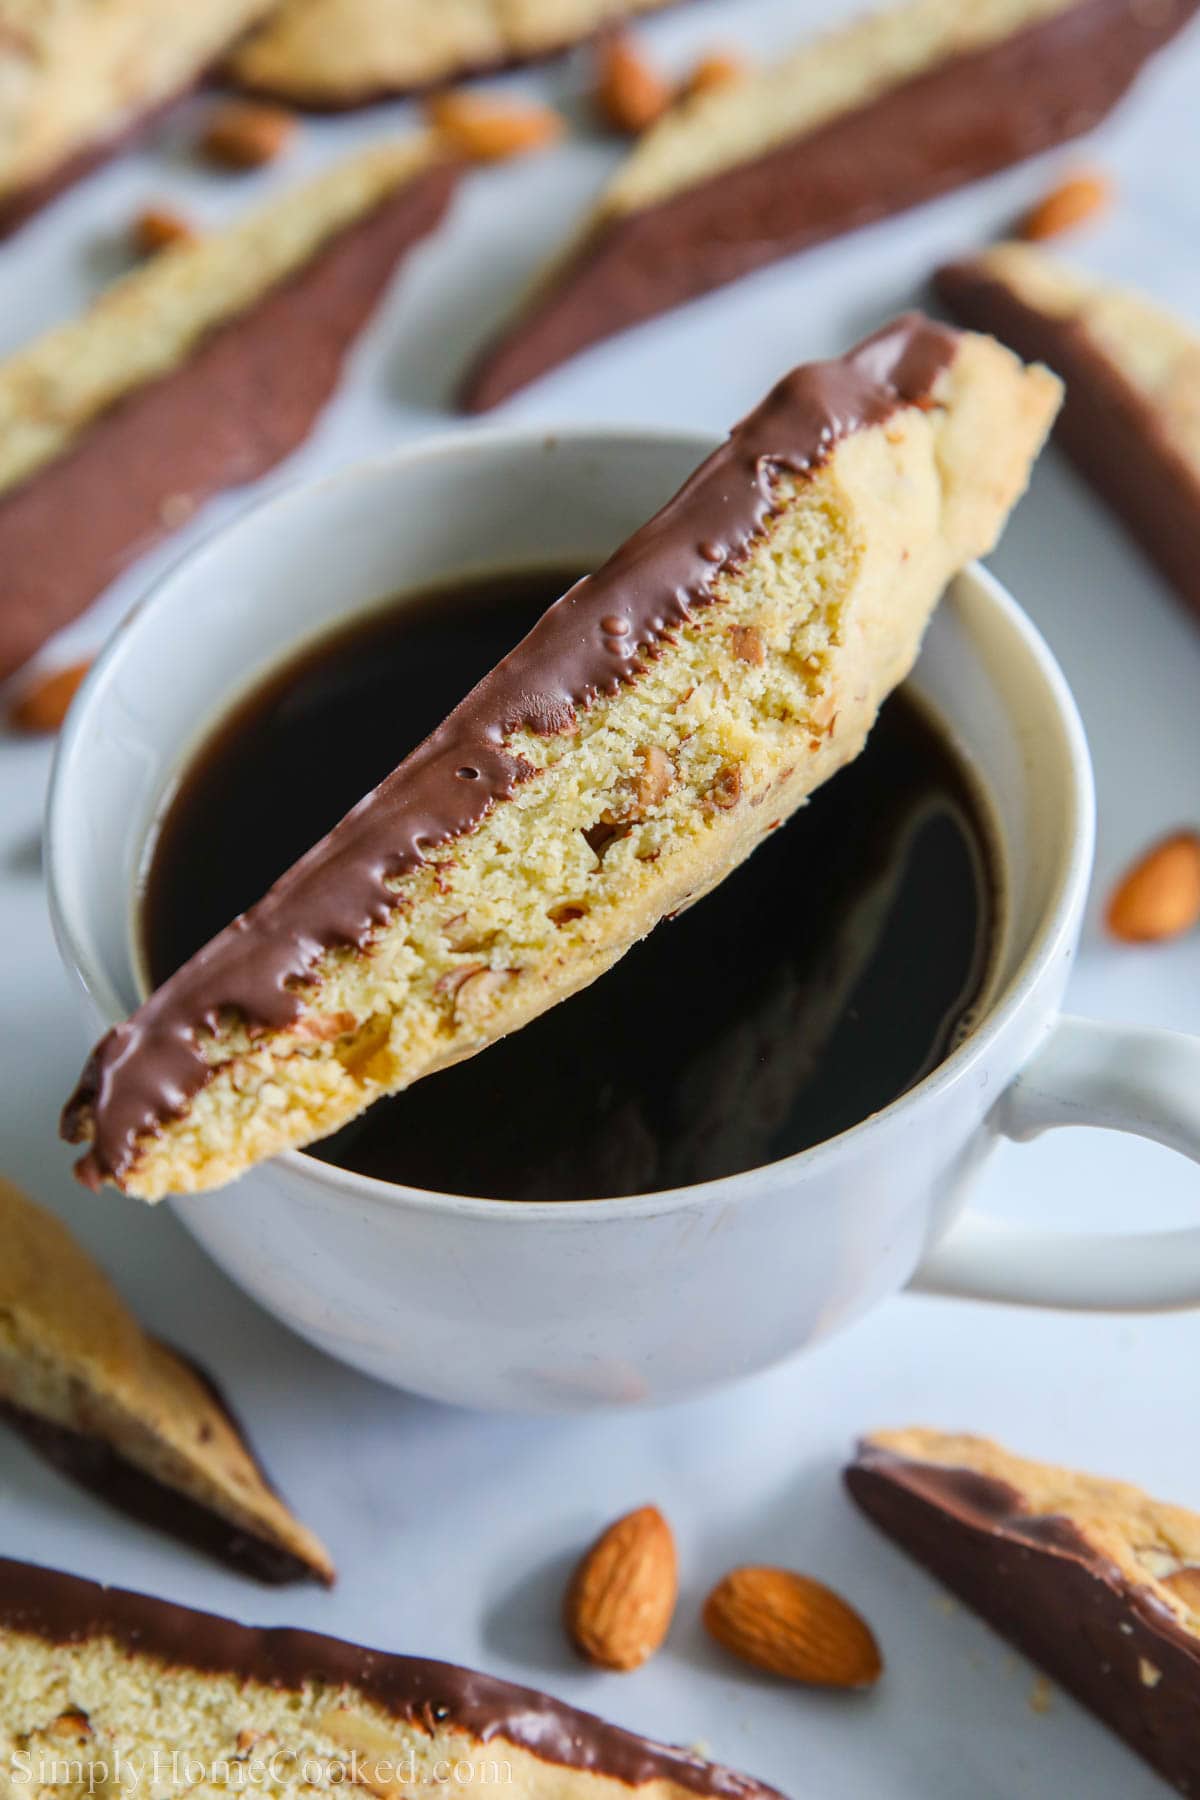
818, 983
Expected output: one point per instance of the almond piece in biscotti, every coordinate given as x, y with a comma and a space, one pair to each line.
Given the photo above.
805, 147
125, 1415
838, 509
621, 1599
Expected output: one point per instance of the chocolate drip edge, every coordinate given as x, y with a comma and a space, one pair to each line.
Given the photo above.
65, 1609
145, 1071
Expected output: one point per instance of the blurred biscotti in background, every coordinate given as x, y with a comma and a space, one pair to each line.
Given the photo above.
1131, 421
199, 371
126, 1416
77, 77
879, 116
339, 53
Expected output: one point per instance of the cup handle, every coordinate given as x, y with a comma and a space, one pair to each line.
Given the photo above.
1086, 1073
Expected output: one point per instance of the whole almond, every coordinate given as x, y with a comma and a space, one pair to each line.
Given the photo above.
622, 1596
718, 69
792, 1626
490, 130
42, 706
241, 135
158, 228
630, 94
1159, 897
1070, 204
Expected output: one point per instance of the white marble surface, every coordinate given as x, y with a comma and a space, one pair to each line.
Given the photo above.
453, 1532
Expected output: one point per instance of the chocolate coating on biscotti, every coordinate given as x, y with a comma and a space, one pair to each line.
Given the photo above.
61, 1609
1109, 429
964, 118
145, 1071
95, 1465
1038, 1581
240, 403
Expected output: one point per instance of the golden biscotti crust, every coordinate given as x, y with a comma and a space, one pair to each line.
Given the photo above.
76, 1367
329, 54
685, 768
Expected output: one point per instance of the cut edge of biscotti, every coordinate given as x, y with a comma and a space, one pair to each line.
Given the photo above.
124, 1414
336, 54
193, 1697
80, 79
139, 330
655, 792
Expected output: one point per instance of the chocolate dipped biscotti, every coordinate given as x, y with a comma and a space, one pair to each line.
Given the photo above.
1092, 1579
96, 1673
76, 78
329, 54
1131, 418
655, 725
125, 1416
906, 104
196, 373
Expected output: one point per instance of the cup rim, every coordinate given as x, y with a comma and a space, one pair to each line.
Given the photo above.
1068, 892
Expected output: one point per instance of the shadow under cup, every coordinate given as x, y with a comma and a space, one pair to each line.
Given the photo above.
314, 1243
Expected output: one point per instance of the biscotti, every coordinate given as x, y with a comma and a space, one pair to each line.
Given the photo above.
879, 116
93, 1674
1131, 420
340, 53
76, 78
198, 372
124, 1415
1092, 1579
657, 723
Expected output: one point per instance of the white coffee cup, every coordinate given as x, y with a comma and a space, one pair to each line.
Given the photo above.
570, 1305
